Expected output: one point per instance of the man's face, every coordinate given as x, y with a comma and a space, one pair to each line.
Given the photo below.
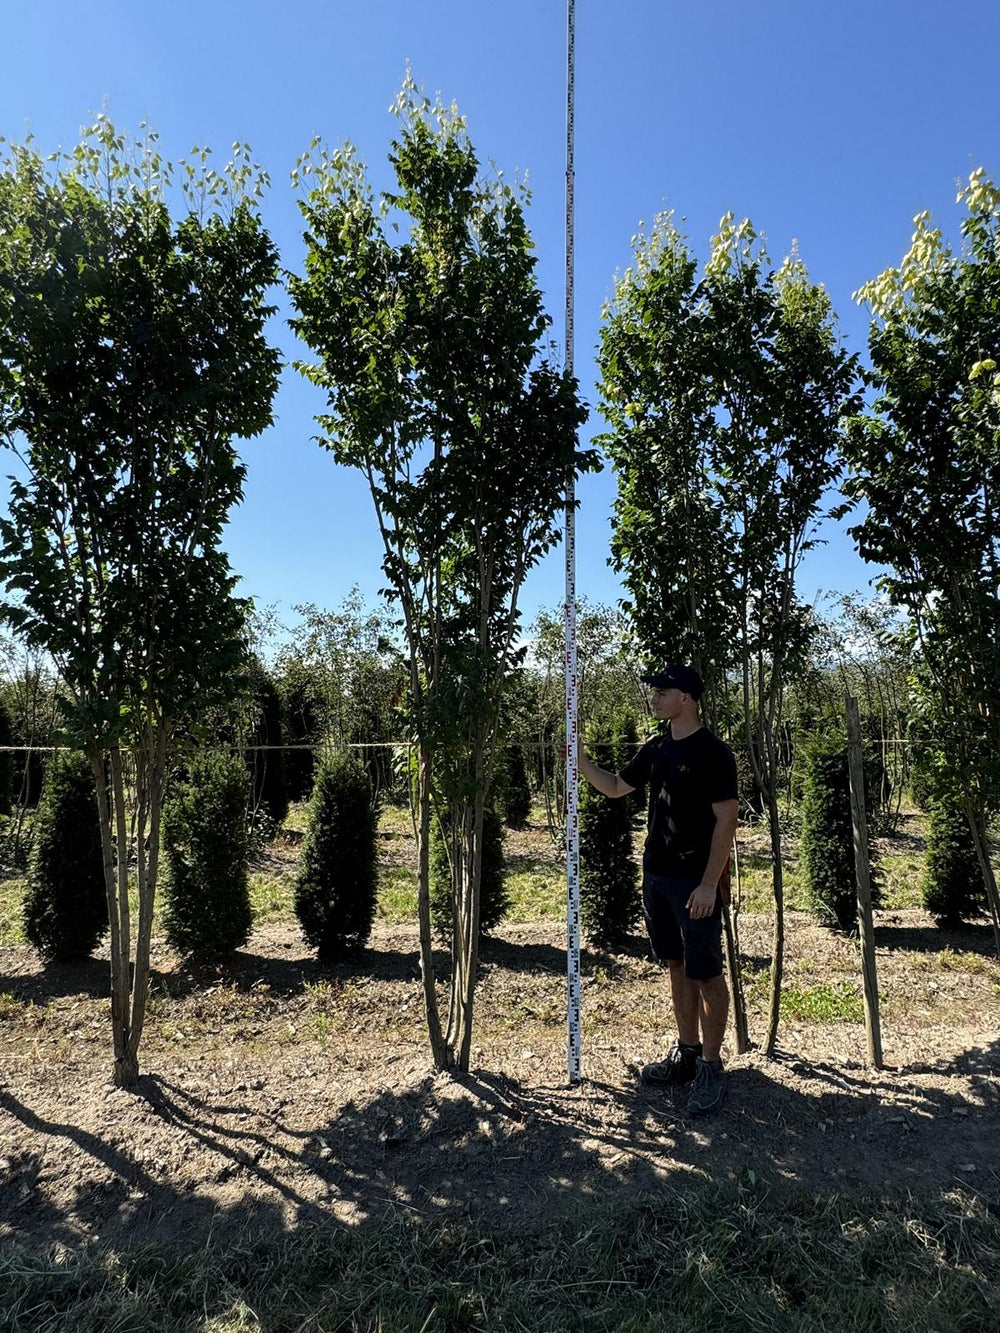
666, 704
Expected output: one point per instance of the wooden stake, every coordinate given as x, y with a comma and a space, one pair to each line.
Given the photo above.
859, 823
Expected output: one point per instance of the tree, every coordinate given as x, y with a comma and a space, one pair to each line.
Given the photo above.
429, 352
132, 353
351, 659
206, 848
725, 397
671, 540
926, 463
65, 904
338, 874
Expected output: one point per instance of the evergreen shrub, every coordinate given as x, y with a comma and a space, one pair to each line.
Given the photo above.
953, 887
610, 899
494, 900
826, 842
267, 765
513, 800
66, 903
207, 910
338, 874
302, 725
6, 760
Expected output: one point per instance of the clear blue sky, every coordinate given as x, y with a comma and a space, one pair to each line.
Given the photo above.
831, 124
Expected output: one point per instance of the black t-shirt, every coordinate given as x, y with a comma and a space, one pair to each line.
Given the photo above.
685, 778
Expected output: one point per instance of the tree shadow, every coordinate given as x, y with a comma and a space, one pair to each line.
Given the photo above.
972, 938
490, 1147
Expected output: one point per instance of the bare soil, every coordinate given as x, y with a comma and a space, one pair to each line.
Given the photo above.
281, 1090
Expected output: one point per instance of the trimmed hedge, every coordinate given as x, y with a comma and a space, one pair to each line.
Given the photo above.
610, 898
954, 891
66, 902
827, 837
338, 874
207, 911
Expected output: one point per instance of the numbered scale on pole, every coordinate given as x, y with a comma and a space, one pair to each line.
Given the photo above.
572, 679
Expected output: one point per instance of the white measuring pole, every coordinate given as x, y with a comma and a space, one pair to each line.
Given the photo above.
572, 680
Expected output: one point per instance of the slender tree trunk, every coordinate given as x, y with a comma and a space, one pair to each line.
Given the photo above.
126, 1066
438, 1049
778, 936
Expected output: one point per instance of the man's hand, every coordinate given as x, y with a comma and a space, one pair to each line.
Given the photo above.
702, 901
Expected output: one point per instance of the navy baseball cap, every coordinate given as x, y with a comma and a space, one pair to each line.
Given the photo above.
683, 678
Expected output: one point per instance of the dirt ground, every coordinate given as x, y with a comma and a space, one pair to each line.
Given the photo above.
281, 1090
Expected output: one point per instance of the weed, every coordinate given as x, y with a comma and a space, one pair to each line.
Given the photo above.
827, 1002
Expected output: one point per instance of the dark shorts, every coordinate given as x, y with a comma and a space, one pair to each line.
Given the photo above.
672, 933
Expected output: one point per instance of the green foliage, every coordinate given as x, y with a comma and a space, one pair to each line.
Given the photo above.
338, 873
826, 843
206, 912
926, 464
345, 672
66, 904
953, 886
512, 790
494, 900
301, 722
610, 902
723, 395
426, 315
265, 760
132, 355
6, 760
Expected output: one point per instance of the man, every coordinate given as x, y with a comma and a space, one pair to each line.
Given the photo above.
692, 818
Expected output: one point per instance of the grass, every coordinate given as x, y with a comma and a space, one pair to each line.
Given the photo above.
11, 920
738, 1258
836, 1002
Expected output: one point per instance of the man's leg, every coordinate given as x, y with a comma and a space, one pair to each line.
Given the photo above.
686, 997
668, 948
714, 1006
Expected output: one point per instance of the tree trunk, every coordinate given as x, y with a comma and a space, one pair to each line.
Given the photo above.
125, 1068
730, 920
438, 1049
778, 937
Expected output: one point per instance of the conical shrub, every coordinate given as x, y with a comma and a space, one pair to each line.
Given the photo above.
66, 903
265, 757
338, 875
513, 790
954, 891
494, 900
207, 912
610, 901
826, 841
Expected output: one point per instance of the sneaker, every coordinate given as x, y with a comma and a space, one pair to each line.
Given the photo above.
709, 1091
678, 1067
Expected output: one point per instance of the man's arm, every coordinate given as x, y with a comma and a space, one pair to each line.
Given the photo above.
608, 783
702, 900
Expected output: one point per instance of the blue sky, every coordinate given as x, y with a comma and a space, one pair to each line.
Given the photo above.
829, 124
